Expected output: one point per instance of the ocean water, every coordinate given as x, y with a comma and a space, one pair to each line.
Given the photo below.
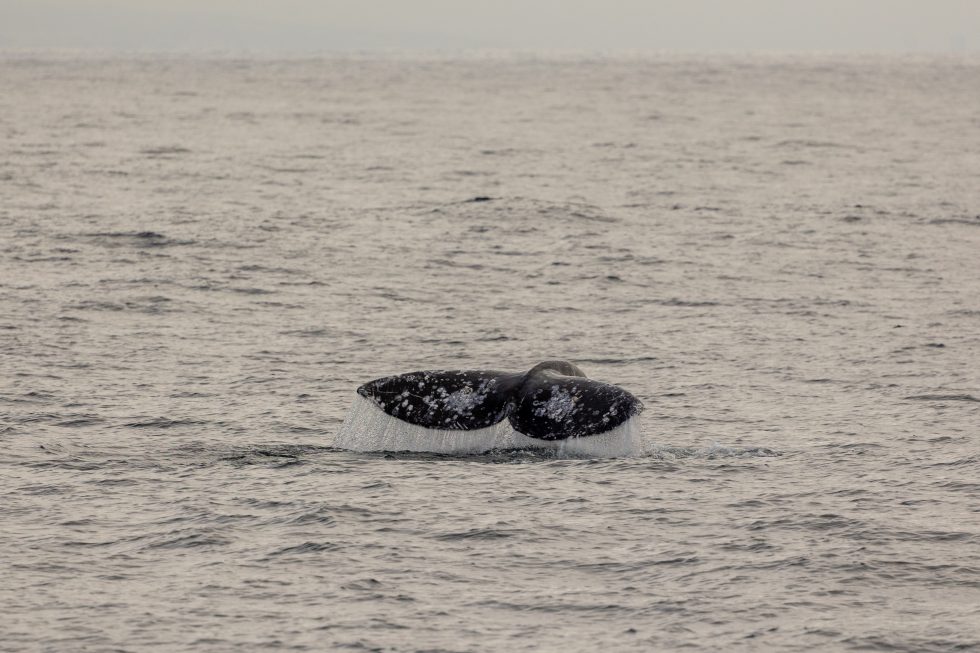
202, 258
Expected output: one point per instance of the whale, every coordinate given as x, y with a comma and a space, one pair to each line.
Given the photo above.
554, 405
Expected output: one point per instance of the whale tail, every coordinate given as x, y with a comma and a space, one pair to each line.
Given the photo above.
446, 411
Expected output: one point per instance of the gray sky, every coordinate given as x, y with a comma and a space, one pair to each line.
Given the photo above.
324, 25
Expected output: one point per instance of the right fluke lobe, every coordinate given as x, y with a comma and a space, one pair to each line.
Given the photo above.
553, 406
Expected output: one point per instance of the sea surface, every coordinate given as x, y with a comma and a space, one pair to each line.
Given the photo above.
202, 257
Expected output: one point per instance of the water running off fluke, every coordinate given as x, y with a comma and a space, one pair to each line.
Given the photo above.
552, 406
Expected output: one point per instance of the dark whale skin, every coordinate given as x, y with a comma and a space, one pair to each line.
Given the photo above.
552, 401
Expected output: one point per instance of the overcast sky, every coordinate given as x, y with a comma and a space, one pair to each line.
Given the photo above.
590, 25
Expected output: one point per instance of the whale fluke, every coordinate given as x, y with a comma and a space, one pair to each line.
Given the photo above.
553, 405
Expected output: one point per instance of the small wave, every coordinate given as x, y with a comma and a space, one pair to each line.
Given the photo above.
525, 209
556, 607
275, 456
43, 490
164, 150
616, 361
163, 423
803, 142
944, 397
683, 302
897, 644
715, 450
319, 516
478, 534
138, 239
142, 235
365, 584
305, 547
975, 221
193, 540
148, 305
83, 420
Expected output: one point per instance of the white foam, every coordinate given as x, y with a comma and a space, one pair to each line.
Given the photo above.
623, 441
368, 428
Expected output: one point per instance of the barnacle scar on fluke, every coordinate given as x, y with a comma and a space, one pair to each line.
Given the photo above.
552, 406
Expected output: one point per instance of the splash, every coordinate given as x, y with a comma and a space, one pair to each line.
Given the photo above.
368, 428
709, 452
623, 441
